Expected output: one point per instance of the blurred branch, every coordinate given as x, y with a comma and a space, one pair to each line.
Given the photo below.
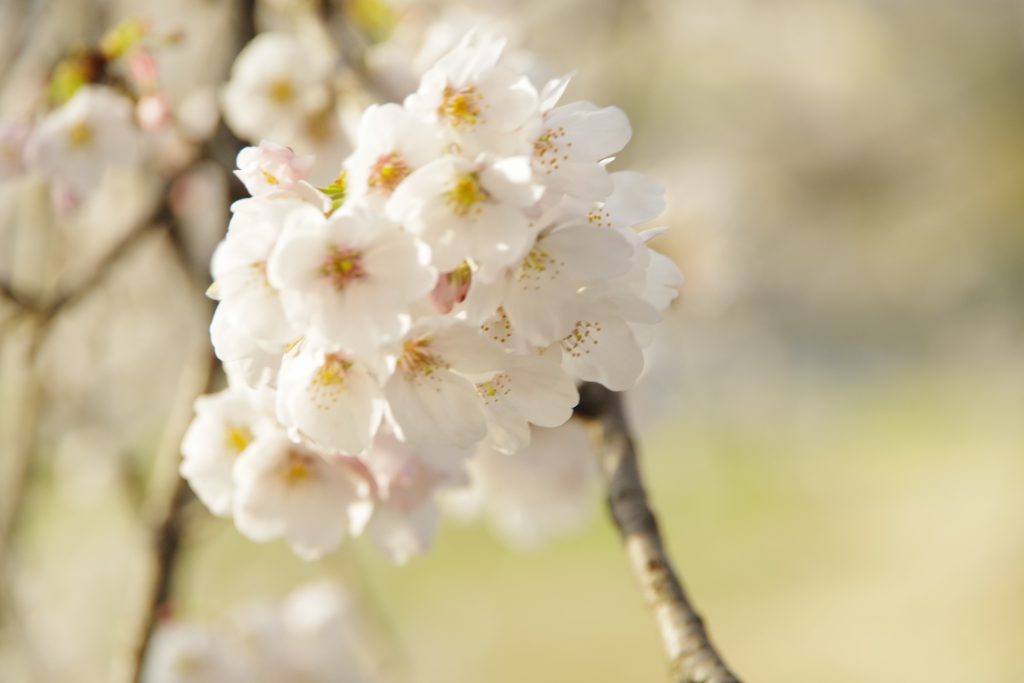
19, 464
692, 657
167, 499
23, 302
351, 44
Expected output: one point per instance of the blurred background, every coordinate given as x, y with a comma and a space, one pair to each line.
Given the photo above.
832, 430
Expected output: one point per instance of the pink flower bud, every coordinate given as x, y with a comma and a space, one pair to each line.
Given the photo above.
451, 289
270, 169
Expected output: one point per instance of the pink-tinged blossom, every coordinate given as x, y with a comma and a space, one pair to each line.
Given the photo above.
390, 145
75, 144
268, 169
405, 516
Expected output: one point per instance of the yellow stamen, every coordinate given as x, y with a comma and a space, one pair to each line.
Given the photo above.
238, 438
282, 91
80, 134
388, 172
461, 107
332, 372
464, 195
417, 360
342, 266
297, 469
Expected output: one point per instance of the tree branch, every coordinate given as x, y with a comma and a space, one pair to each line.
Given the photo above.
692, 657
164, 515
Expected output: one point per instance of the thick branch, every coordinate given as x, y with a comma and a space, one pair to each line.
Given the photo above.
692, 657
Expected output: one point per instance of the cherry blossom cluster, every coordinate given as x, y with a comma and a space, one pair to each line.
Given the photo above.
474, 259
312, 636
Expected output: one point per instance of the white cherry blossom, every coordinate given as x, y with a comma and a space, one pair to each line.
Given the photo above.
480, 101
225, 425
350, 278
287, 490
248, 303
432, 396
570, 144
391, 143
77, 142
469, 209
540, 294
532, 388
275, 81
635, 198
328, 397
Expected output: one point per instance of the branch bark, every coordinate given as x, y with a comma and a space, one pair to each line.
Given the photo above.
692, 657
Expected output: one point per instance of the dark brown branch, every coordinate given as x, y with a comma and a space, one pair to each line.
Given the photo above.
692, 657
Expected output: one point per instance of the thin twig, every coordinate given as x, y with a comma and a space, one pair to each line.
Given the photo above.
692, 657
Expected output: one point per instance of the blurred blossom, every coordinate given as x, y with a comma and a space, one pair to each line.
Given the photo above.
312, 636
542, 491
76, 143
280, 90
13, 136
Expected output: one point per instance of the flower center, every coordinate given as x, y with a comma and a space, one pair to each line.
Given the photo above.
417, 360
498, 328
492, 390
463, 106
80, 135
464, 194
332, 372
583, 336
538, 265
546, 150
388, 172
342, 266
282, 91
238, 438
297, 468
